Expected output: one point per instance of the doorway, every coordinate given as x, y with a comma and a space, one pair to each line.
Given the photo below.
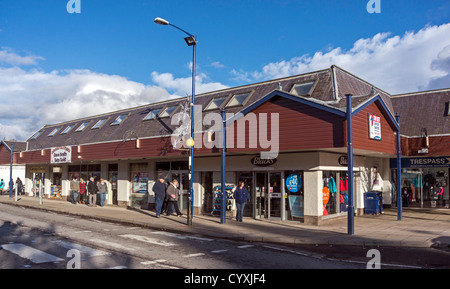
268, 199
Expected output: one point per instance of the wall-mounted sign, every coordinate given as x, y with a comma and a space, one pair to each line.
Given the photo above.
294, 183
423, 162
343, 161
61, 155
258, 161
374, 127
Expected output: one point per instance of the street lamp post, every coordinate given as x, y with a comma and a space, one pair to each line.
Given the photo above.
190, 41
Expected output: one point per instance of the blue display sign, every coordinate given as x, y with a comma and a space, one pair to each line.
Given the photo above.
296, 204
294, 183
423, 162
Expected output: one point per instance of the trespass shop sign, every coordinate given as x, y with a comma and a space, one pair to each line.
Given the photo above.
61, 155
427, 162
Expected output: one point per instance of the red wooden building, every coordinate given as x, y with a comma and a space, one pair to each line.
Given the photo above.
300, 121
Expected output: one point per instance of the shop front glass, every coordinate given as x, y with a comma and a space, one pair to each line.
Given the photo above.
425, 187
294, 194
139, 184
178, 170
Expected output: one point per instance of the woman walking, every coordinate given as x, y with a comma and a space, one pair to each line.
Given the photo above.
82, 191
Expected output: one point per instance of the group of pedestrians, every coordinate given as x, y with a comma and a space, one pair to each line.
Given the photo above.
19, 186
166, 197
86, 193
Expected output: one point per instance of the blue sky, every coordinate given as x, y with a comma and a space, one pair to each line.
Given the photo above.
112, 54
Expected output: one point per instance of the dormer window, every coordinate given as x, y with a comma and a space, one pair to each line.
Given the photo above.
303, 89
82, 126
54, 131
168, 111
99, 123
447, 109
216, 103
37, 134
68, 128
238, 99
152, 114
119, 119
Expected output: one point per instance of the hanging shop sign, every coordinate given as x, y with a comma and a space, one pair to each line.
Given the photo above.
258, 161
294, 183
374, 127
61, 155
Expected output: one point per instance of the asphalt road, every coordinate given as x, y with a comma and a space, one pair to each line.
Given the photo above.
34, 239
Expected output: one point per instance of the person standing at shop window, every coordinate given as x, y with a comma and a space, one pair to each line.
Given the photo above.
102, 190
159, 188
74, 188
240, 195
92, 191
82, 191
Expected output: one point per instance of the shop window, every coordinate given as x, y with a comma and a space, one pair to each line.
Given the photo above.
303, 89
139, 178
67, 129
216, 103
119, 119
82, 126
54, 131
330, 193
162, 166
239, 99
152, 114
294, 188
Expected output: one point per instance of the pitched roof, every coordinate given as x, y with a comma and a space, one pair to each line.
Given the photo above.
425, 109
329, 89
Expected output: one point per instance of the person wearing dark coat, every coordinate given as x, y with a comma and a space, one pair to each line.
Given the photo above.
240, 195
159, 188
92, 191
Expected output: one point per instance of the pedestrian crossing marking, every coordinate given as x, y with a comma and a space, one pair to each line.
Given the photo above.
148, 240
34, 255
87, 250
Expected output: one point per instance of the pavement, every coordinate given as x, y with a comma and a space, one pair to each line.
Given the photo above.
420, 228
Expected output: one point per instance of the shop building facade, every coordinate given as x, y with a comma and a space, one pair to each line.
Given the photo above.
299, 121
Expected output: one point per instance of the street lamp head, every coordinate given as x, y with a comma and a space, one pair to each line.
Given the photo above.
161, 21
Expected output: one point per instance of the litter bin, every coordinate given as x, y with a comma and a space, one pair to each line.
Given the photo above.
373, 203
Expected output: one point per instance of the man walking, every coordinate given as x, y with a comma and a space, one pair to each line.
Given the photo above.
74, 188
159, 188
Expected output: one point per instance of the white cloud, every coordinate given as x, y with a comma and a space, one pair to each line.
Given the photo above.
32, 98
7, 56
396, 64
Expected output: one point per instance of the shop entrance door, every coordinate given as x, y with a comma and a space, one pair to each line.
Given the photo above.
268, 195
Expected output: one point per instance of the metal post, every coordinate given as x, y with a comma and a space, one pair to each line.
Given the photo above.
191, 165
10, 172
223, 208
399, 171
351, 210
15, 198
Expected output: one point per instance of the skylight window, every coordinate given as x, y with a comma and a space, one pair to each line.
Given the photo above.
238, 99
168, 111
83, 126
37, 134
119, 119
216, 103
68, 128
54, 131
152, 114
99, 123
303, 89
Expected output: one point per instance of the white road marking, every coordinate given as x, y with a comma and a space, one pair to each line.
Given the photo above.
179, 236
193, 255
219, 251
32, 254
148, 240
119, 267
153, 262
111, 244
245, 246
89, 251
